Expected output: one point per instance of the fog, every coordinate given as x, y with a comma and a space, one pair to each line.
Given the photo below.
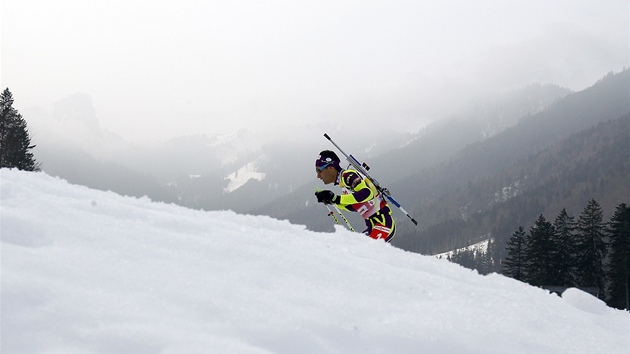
159, 69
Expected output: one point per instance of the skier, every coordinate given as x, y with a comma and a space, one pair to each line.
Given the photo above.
358, 194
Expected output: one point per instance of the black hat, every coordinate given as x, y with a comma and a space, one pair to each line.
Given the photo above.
327, 158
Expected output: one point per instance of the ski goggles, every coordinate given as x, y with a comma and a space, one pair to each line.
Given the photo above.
321, 168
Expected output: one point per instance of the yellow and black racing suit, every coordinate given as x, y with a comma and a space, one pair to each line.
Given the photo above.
360, 195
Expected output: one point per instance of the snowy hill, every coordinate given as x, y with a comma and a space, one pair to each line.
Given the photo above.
87, 271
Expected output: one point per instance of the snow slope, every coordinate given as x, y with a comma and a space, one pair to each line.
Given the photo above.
86, 271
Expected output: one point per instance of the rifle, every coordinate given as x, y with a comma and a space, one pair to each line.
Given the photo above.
363, 168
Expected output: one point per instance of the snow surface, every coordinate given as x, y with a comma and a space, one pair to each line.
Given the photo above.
86, 271
479, 247
243, 175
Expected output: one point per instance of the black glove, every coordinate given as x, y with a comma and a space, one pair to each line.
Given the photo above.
327, 197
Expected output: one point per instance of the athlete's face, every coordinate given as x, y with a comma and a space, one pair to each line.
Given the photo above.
328, 175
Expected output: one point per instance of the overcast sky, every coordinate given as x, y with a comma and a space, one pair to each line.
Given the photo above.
180, 67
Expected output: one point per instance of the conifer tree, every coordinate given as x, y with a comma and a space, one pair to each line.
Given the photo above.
618, 269
564, 244
15, 143
539, 248
514, 264
590, 247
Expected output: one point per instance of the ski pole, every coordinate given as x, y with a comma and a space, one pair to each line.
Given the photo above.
363, 169
344, 218
332, 213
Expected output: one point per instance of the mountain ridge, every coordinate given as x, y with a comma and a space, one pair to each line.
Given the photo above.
606, 101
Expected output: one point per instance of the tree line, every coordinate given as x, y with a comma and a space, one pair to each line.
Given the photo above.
585, 253
15, 142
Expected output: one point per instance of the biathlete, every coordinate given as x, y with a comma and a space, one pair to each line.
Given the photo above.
358, 194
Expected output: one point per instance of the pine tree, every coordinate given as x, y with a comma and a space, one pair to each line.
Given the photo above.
590, 247
564, 244
15, 143
618, 269
514, 264
539, 249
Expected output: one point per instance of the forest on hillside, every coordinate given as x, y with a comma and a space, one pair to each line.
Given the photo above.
587, 251
590, 164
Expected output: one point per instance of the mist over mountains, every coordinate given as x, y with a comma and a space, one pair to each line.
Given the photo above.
241, 170
467, 189
446, 175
